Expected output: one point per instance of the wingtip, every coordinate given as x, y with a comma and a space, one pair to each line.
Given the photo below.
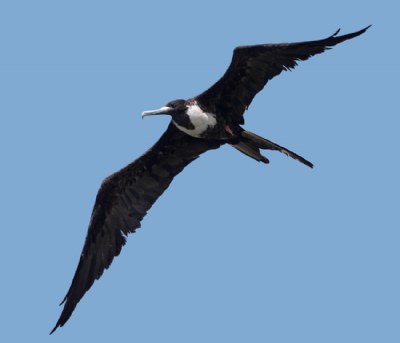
63, 301
309, 164
303, 160
360, 32
336, 33
349, 35
54, 329
364, 29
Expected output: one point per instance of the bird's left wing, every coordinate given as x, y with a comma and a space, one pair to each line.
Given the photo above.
121, 203
253, 66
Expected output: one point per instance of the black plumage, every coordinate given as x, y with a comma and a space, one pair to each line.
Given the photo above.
253, 66
125, 197
123, 200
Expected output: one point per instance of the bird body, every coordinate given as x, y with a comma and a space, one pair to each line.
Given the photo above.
203, 123
199, 124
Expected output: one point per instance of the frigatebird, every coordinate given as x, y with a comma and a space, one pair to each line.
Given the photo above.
199, 124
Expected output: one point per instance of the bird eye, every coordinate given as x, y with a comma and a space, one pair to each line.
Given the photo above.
176, 103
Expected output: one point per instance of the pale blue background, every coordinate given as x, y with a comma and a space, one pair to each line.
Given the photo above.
234, 251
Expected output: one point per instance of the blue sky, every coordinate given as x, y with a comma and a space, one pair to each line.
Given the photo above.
234, 251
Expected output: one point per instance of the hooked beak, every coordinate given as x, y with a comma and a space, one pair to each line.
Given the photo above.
162, 110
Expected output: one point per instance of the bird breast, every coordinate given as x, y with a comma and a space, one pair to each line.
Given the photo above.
201, 121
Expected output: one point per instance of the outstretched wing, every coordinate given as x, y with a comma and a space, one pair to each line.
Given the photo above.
121, 203
253, 66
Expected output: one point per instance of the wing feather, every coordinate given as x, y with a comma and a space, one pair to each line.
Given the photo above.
253, 66
121, 203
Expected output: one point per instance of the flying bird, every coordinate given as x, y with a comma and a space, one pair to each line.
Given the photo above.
199, 124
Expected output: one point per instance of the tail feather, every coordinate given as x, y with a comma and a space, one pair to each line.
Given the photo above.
251, 150
250, 143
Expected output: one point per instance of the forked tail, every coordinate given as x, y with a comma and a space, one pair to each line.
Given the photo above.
250, 145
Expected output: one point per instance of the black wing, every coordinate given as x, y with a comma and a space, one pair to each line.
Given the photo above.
253, 66
121, 203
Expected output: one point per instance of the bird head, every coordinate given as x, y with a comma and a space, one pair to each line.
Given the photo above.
173, 108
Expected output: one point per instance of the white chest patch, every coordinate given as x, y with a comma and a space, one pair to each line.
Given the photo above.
201, 121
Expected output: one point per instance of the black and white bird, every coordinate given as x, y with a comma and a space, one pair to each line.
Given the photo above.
199, 124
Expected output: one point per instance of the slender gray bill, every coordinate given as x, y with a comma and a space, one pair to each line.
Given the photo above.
162, 110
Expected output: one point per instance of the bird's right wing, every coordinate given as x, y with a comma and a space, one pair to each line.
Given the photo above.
121, 203
253, 66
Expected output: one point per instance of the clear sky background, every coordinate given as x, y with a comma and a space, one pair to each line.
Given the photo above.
234, 251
